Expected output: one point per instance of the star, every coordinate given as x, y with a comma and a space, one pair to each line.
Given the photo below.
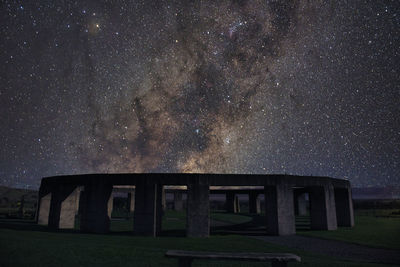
214, 87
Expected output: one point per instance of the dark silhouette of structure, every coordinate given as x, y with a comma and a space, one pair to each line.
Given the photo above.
60, 198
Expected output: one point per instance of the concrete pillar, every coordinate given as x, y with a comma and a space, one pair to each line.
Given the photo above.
254, 203
147, 215
344, 207
163, 199
279, 210
230, 202
160, 207
63, 207
110, 205
237, 204
322, 207
77, 199
81, 203
95, 201
302, 205
300, 201
198, 208
44, 209
21, 209
131, 201
69, 210
178, 202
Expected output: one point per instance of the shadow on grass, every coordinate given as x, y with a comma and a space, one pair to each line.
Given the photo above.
254, 227
30, 225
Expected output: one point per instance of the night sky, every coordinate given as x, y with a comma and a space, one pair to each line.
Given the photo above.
295, 87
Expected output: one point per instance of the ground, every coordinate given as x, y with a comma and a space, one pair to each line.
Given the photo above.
23, 243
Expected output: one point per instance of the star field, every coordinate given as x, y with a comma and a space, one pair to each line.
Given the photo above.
296, 87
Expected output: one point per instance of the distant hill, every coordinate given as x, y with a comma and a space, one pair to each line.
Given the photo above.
388, 192
12, 196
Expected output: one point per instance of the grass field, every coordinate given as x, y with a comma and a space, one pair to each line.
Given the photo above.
375, 231
32, 245
35, 248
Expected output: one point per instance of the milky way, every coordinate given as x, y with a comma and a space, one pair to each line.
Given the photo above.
298, 87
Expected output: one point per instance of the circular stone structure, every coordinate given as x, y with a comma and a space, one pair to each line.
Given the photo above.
60, 197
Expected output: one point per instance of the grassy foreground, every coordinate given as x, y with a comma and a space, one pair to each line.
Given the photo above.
35, 248
375, 231
31, 245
